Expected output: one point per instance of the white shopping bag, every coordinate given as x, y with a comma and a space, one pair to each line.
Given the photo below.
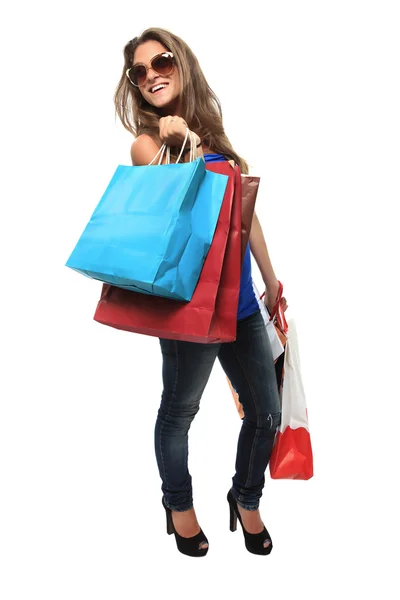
292, 456
276, 344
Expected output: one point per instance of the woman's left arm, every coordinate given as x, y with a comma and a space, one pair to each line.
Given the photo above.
259, 250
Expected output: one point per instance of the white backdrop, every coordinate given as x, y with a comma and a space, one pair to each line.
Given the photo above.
310, 97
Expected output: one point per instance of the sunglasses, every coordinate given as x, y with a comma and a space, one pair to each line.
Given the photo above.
162, 64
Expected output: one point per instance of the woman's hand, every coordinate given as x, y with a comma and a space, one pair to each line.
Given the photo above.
173, 131
271, 294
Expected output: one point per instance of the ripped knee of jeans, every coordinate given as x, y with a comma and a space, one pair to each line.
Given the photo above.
268, 422
273, 420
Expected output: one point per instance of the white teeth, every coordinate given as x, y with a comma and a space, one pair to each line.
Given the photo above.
158, 87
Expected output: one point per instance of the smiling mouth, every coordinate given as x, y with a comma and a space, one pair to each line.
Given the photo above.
158, 88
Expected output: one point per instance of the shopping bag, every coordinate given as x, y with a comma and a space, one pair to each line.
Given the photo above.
152, 228
292, 456
196, 320
250, 184
224, 321
275, 335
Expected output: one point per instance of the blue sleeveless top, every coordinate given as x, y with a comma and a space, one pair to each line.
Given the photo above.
247, 299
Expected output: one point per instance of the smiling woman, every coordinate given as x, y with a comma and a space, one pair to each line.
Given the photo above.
161, 94
159, 58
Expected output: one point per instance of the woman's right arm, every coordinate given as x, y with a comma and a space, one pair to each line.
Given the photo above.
143, 150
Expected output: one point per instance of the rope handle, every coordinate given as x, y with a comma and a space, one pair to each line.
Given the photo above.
193, 150
278, 313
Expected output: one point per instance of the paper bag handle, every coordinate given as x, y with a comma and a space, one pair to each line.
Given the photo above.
193, 150
277, 311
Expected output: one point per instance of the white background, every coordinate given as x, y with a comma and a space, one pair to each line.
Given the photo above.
310, 97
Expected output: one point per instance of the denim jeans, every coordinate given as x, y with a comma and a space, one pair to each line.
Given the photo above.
249, 365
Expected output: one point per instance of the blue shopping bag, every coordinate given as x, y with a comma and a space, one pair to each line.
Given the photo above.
152, 229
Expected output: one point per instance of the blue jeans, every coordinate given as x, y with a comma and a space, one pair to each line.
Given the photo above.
249, 365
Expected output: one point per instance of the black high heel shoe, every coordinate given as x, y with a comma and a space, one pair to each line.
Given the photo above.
189, 546
254, 541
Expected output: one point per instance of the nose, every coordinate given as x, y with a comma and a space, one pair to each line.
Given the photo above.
151, 74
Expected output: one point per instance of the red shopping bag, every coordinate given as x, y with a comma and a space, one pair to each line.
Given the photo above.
224, 322
199, 320
292, 456
250, 185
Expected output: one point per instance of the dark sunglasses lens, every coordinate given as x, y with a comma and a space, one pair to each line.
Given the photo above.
138, 74
162, 65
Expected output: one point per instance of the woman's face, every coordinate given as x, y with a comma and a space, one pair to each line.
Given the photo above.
165, 99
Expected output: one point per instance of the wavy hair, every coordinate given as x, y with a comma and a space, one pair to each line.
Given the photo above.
200, 107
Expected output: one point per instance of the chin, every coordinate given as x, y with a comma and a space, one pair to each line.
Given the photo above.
167, 105
163, 102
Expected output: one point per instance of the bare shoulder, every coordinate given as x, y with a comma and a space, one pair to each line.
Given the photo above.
143, 150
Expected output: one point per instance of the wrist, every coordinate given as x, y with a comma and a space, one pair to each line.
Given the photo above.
271, 283
192, 139
196, 139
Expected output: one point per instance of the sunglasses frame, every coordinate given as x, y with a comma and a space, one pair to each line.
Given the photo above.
169, 54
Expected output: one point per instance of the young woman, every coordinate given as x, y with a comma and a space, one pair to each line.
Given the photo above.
163, 92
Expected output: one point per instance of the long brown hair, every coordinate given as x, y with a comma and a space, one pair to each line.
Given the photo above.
201, 108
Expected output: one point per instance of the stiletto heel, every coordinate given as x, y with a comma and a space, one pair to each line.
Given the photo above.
232, 519
254, 542
189, 546
170, 525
